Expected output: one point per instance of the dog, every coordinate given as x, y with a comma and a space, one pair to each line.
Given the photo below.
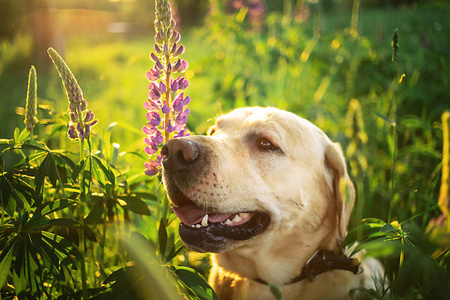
268, 194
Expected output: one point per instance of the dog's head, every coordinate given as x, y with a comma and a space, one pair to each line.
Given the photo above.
259, 172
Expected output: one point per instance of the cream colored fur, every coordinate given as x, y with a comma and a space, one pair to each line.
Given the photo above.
307, 193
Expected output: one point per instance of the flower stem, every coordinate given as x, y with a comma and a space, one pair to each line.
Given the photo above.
82, 245
167, 116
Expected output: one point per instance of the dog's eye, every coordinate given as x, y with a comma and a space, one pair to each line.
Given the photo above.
265, 144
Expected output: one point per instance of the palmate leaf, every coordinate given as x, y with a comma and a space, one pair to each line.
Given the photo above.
54, 206
40, 175
61, 244
196, 282
106, 170
162, 238
134, 203
79, 168
97, 210
6, 256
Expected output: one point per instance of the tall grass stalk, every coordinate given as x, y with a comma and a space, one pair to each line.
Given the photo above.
394, 155
355, 16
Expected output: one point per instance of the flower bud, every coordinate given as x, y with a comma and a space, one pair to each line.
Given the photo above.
165, 109
73, 117
159, 65
159, 37
83, 105
93, 123
174, 86
148, 130
72, 132
169, 127
87, 131
179, 51
183, 83
153, 56
158, 138
154, 118
162, 87
186, 101
157, 49
174, 48
177, 65
175, 36
184, 66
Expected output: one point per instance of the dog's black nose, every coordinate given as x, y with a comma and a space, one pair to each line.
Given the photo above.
179, 154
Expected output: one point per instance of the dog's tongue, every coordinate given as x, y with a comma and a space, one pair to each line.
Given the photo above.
190, 215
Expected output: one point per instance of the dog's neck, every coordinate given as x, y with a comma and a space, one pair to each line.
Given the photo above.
266, 265
323, 261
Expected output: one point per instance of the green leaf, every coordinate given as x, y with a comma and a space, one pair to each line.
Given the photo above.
361, 232
12, 159
106, 169
96, 213
276, 291
63, 222
20, 280
22, 136
36, 223
79, 168
40, 175
176, 249
162, 238
64, 160
52, 171
196, 282
148, 196
61, 244
53, 206
135, 204
5, 263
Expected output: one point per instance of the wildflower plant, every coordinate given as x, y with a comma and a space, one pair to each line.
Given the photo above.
31, 106
81, 119
166, 104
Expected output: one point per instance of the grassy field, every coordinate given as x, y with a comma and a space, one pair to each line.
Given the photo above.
340, 77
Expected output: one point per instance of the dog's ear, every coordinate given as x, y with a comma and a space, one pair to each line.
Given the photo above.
344, 191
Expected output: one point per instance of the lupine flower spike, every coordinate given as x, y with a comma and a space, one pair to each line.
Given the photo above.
31, 106
166, 103
81, 119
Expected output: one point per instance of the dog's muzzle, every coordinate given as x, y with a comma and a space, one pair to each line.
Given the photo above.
187, 166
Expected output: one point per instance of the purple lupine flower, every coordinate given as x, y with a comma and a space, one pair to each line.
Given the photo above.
81, 120
166, 104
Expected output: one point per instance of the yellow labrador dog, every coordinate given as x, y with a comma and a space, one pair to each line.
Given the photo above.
268, 193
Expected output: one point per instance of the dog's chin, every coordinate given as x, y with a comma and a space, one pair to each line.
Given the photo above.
210, 230
218, 236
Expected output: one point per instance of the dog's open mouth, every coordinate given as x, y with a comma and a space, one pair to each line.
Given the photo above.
206, 230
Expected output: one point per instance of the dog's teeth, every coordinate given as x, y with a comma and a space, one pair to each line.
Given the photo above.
236, 219
198, 226
228, 222
205, 221
244, 215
